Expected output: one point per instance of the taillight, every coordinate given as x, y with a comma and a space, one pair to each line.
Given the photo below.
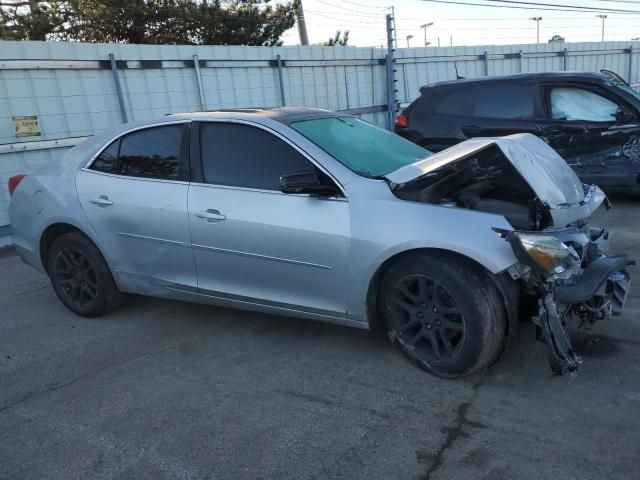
14, 182
402, 121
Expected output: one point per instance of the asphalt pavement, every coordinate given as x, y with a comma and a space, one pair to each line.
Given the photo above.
170, 390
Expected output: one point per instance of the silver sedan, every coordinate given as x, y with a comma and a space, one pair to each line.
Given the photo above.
320, 215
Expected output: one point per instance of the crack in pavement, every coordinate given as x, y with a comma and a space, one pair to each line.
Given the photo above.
58, 386
452, 433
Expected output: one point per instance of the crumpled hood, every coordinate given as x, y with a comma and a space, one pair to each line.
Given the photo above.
546, 172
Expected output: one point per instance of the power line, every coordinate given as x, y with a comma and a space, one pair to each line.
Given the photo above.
320, 14
349, 10
591, 9
569, 9
364, 6
633, 2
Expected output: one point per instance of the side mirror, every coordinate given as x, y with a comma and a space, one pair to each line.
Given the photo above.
305, 182
623, 117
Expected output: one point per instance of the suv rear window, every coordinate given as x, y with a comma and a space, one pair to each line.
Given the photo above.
504, 101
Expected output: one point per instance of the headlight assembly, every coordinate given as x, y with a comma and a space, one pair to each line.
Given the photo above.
544, 252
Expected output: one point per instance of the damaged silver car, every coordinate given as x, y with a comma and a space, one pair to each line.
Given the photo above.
315, 214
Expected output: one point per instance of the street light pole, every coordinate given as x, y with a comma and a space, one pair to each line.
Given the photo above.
537, 20
424, 27
602, 17
409, 37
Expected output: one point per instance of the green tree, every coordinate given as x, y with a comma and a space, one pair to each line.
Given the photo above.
556, 39
339, 39
217, 22
31, 19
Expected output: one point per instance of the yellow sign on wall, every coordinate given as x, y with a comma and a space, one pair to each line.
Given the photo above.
26, 126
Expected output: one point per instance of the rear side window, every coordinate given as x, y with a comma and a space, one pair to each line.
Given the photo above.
504, 101
107, 161
453, 102
244, 156
149, 153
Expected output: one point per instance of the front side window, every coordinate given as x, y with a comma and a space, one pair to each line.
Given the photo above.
149, 153
363, 148
578, 104
240, 155
515, 102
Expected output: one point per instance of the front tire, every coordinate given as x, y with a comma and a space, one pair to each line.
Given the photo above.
443, 313
81, 277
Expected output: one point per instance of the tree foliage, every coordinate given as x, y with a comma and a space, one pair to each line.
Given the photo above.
229, 22
556, 39
340, 39
31, 19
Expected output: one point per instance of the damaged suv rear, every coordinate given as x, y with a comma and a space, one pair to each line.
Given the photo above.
563, 262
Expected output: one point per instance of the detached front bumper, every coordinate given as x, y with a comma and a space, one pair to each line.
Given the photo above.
597, 293
576, 281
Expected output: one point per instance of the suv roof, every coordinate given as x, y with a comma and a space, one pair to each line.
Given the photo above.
522, 77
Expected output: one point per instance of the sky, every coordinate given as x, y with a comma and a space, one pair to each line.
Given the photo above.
463, 24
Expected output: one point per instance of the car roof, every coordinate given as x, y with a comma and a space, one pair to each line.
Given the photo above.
284, 115
522, 77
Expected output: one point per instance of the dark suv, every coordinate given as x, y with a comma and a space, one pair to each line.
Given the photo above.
591, 119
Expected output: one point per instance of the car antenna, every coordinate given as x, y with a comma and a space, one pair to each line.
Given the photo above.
458, 76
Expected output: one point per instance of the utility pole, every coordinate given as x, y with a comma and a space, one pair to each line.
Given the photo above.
424, 27
393, 17
302, 25
409, 37
602, 17
537, 20
451, 40
390, 75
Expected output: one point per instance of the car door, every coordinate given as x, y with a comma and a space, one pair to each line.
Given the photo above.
595, 131
253, 243
135, 197
501, 108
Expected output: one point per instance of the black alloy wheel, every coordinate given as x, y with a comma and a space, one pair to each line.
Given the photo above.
77, 277
427, 317
443, 312
81, 277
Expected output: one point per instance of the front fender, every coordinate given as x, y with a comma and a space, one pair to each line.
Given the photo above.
400, 226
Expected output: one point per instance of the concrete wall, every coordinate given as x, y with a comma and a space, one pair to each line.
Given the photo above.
71, 88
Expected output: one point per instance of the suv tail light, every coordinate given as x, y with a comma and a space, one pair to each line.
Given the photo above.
402, 121
14, 182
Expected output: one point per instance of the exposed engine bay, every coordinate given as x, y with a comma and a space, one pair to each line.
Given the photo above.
486, 182
563, 263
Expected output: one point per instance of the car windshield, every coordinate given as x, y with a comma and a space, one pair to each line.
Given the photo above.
360, 146
628, 89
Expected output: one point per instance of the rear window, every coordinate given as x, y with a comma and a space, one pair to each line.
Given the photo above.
504, 101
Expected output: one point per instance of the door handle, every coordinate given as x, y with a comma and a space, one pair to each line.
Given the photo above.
101, 201
211, 215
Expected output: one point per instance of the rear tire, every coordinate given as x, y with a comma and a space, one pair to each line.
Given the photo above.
443, 313
81, 277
